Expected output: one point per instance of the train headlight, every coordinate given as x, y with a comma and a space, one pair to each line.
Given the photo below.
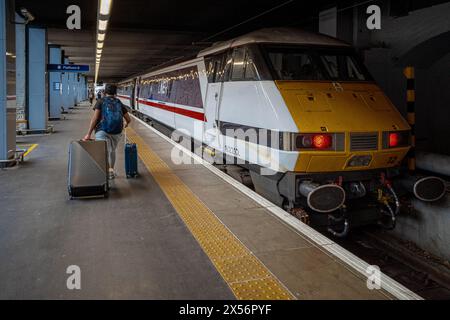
315, 141
359, 161
306, 142
320, 141
395, 139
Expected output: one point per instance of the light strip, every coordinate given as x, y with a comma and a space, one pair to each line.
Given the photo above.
102, 25
104, 11
105, 7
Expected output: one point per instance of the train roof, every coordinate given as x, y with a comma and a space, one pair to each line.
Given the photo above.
266, 35
275, 35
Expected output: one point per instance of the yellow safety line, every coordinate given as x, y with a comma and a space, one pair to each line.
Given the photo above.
247, 277
33, 146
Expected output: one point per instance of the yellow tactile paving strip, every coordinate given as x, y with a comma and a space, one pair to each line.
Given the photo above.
28, 147
247, 277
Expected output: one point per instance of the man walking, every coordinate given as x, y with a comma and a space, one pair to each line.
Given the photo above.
107, 122
91, 97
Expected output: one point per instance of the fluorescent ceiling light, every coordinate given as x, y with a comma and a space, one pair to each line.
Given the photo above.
105, 7
99, 45
102, 25
99, 51
101, 37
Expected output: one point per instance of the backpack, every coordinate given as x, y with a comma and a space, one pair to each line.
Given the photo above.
112, 116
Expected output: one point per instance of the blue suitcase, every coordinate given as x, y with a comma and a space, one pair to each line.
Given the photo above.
131, 166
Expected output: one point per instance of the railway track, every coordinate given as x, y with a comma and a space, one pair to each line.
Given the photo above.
415, 269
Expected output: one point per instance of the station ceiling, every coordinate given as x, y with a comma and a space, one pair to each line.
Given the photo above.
145, 33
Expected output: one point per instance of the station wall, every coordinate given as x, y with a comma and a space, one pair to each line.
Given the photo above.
420, 39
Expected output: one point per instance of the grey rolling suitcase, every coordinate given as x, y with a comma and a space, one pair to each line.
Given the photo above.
88, 169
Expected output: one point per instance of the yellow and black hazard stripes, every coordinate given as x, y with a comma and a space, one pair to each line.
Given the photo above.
411, 113
247, 277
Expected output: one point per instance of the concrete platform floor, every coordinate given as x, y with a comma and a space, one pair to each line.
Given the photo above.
134, 245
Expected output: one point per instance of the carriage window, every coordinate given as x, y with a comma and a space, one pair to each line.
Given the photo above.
210, 66
228, 62
331, 65
300, 63
353, 70
243, 65
250, 68
294, 66
214, 68
342, 67
238, 64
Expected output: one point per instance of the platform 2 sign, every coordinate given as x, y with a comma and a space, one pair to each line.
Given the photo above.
67, 68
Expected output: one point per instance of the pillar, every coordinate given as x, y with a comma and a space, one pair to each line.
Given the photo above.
74, 88
20, 73
7, 83
36, 86
54, 84
78, 78
65, 87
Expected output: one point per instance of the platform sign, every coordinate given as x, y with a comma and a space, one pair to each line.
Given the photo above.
67, 68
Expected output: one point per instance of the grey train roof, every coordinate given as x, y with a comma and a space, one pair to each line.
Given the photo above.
275, 35
266, 35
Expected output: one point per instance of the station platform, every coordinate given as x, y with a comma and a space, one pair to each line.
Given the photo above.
175, 232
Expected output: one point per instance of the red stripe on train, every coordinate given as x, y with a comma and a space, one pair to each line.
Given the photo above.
184, 112
124, 97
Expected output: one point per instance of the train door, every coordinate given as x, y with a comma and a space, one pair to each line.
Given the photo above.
214, 67
136, 92
132, 96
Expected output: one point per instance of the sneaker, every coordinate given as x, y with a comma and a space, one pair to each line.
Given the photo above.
111, 174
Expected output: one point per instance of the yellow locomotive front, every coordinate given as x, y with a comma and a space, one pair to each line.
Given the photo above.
351, 139
344, 119
344, 126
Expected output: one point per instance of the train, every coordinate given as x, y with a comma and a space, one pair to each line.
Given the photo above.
300, 113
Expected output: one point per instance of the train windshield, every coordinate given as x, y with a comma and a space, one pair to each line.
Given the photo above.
300, 63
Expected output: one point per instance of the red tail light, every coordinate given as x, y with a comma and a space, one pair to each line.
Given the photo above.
322, 141
394, 139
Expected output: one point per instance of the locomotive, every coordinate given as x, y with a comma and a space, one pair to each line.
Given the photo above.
300, 113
